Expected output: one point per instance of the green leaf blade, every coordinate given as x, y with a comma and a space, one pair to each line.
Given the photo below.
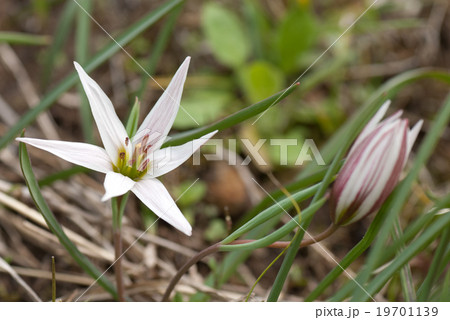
54, 226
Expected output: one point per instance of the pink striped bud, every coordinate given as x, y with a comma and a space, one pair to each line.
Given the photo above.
373, 167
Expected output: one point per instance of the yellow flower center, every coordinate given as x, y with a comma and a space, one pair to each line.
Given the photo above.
136, 165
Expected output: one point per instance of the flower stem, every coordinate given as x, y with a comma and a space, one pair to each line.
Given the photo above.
117, 210
53, 279
205, 252
306, 242
118, 264
216, 247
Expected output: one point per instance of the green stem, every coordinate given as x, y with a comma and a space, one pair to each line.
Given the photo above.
118, 207
118, 264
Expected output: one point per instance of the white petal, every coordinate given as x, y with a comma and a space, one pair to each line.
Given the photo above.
155, 196
412, 136
372, 124
160, 119
83, 154
390, 156
116, 185
392, 117
111, 130
167, 159
369, 158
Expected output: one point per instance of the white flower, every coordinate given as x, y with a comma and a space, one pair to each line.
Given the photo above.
132, 163
373, 167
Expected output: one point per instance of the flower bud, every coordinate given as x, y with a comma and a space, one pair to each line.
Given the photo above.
373, 167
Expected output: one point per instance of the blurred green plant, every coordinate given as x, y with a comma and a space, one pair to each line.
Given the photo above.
259, 54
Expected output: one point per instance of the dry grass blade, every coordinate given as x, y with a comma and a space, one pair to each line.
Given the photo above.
60, 277
5, 266
86, 246
28, 91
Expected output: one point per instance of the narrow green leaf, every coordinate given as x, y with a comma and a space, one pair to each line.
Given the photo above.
410, 252
83, 31
133, 118
82, 56
444, 294
433, 274
24, 38
231, 120
356, 251
295, 244
61, 175
60, 37
54, 226
271, 212
97, 60
413, 229
409, 234
278, 195
235, 258
406, 280
277, 235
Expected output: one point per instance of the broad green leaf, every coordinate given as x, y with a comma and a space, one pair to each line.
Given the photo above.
189, 193
205, 106
259, 79
216, 230
225, 34
296, 34
258, 26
